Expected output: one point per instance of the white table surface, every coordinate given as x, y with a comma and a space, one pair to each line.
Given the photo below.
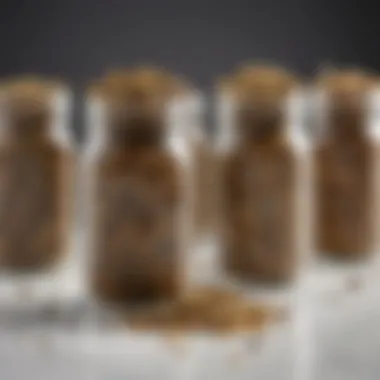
333, 333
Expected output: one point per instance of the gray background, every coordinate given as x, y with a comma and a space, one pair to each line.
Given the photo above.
79, 39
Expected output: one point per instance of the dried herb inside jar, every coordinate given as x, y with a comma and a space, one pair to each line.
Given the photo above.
35, 178
346, 165
258, 179
139, 192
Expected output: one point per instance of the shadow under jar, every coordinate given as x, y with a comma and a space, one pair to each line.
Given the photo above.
139, 193
346, 168
35, 176
258, 183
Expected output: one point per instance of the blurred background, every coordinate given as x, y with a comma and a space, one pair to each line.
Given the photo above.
80, 39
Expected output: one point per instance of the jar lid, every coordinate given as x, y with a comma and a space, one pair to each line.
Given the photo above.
260, 95
346, 89
259, 86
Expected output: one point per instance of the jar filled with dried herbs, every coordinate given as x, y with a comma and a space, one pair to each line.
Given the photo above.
36, 171
262, 153
139, 187
346, 164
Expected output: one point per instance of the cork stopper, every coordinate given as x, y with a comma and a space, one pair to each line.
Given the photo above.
29, 102
254, 103
29, 90
259, 84
346, 88
344, 106
136, 102
141, 85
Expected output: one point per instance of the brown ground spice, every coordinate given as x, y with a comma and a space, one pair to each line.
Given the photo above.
345, 162
139, 192
258, 180
35, 180
205, 309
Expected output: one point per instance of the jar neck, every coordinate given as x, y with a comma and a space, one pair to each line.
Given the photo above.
261, 132
347, 126
137, 132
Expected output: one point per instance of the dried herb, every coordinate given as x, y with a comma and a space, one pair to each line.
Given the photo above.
204, 309
345, 166
258, 179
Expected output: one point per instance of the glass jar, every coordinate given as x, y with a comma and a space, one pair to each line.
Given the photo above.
37, 168
263, 155
139, 195
36, 175
346, 165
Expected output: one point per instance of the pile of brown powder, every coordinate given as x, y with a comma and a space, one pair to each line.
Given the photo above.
206, 309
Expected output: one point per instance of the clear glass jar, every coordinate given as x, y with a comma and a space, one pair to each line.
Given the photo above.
263, 158
139, 194
346, 166
37, 168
